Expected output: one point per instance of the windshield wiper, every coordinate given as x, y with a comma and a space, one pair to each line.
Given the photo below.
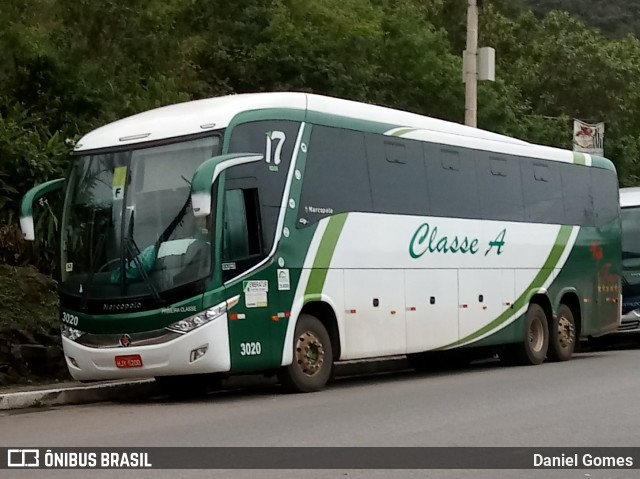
135, 253
166, 234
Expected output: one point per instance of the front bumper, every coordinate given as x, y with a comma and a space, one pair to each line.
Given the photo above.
166, 359
629, 323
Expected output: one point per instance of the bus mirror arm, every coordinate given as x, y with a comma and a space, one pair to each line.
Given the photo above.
26, 208
206, 175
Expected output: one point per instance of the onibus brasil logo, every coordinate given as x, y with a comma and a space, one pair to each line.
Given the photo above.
76, 459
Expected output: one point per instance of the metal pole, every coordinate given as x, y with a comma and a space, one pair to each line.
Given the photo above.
471, 66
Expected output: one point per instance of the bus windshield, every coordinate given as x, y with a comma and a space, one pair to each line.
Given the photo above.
128, 227
630, 258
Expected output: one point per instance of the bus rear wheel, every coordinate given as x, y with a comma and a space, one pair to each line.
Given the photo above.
312, 357
533, 350
562, 335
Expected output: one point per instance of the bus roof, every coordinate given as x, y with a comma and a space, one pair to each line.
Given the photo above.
215, 113
629, 197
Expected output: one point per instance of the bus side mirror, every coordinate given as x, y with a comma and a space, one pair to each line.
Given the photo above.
26, 208
206, 175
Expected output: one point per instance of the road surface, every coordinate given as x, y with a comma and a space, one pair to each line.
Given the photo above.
593, 400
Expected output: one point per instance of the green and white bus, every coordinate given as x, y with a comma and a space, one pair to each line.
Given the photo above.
282, 232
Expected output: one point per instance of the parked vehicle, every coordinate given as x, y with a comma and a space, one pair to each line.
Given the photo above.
630, 207
285, 231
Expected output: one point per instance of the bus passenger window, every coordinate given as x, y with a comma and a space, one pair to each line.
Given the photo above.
336, 177
498, 167
543, 194
450, 160
541, 172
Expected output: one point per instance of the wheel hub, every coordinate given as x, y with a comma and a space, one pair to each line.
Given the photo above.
566, 332
309, 353
536, 335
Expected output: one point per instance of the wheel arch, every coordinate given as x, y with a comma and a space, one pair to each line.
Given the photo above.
322, 307
541, 298
327, 316
524, 351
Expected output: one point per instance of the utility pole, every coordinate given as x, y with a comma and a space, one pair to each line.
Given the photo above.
471, 66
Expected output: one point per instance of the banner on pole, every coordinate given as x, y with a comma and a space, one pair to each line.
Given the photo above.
588, 138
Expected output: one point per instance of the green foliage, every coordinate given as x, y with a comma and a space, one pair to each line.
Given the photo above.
615, 18
28, 299
72, 65
562, 70
29, 155
418, 71
326, 47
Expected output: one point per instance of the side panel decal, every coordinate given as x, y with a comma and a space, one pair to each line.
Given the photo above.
325, 253
558, 250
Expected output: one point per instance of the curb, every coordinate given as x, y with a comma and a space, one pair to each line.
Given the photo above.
77, 393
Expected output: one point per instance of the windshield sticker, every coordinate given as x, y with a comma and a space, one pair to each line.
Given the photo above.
175, 247
68, 267
255, 293
284, 283
119, 181
228, 266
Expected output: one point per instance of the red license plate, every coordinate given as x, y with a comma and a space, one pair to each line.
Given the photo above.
131, 361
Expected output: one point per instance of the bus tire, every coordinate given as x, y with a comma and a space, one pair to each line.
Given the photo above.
533, 350
312, 363
562, 335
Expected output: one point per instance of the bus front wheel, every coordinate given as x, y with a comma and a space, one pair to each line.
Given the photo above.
562, 335
312, 357
533, 350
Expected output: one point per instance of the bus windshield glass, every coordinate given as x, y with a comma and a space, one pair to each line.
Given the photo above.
128, 227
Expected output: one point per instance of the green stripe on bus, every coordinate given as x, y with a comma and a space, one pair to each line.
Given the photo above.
324, 254
403, 131
546, 270
579, 158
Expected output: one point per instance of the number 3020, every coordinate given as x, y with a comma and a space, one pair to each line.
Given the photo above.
250, 349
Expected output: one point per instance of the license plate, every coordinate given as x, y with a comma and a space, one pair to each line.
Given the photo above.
131, 361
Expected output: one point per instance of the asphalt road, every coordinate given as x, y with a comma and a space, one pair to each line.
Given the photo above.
591, 401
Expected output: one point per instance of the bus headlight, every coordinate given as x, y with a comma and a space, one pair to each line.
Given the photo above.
192, 322
69, 332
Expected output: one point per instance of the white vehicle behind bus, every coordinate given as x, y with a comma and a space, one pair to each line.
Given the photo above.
630, 205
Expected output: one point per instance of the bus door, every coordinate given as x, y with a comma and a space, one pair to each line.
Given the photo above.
242, 249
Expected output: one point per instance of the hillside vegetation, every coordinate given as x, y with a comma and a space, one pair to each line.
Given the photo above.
615, 18
30, 349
